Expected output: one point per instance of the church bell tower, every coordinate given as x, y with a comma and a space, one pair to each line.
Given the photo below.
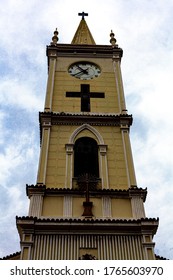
86, 203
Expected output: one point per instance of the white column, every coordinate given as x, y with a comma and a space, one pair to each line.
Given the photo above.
103, 166
69, 165
41, 177
137, 207
130, 171
67, 206
119, 83
35, 207
50, 82
106, 206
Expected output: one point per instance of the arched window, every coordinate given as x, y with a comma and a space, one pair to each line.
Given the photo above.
87, 257
86, 157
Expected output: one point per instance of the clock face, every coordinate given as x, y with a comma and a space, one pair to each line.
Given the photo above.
84, 70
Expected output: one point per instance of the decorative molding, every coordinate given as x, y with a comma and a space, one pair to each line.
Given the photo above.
36, 203
115, 62
69, 148
94, 226
102, 149
137, 207
78, 50
106, 202
67, 206
119, 193
102, 154
14, 256
125, 157
124, 121
41, 176
87, 127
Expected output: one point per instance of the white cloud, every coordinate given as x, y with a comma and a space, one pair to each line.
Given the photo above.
18, 93
18, 162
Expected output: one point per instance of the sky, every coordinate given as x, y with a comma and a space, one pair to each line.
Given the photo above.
143, 29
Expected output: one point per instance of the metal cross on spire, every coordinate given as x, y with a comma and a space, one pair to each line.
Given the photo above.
83, 14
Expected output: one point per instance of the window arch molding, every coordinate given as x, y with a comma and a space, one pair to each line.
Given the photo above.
102, 153
87, 127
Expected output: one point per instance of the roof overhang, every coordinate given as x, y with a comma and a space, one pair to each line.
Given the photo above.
87, 226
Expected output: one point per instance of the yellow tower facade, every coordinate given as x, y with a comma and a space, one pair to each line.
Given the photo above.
86, 203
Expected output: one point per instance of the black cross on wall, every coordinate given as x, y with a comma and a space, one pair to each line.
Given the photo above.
85, 96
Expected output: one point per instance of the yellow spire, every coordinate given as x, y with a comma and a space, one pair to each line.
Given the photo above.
83, 34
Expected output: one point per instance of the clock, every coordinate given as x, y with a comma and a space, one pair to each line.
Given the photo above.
84, 70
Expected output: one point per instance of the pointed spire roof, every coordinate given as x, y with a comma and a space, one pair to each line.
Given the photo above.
83, 34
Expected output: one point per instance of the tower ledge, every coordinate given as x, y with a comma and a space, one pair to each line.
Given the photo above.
80, 118
121, 226
119, 193
84, 50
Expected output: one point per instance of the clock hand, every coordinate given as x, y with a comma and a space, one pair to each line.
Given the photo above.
80, 68
83, 70
78, 73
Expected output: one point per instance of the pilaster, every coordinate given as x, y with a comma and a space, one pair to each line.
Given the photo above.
69, 165
118, 78
106, 206
51, 78
137, 207
103, 166
35, 195
26, 246
67, 206
41, 177
148, 246
131, 178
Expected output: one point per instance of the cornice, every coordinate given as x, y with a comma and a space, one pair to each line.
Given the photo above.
84, 50
46, 119
160, 258
70, 226
61, 118
84, 220
11, 256
116, 193
35, 189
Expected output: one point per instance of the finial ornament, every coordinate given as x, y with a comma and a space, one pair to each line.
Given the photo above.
83, 14
112, 40
55, 37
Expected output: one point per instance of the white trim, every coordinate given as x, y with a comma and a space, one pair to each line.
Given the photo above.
102, 154
91, 129
42, 159
50, 84
69, 157
106, 206
125, 156
67, 206
117, 84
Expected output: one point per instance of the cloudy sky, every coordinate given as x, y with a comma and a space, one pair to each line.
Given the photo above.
144, 29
